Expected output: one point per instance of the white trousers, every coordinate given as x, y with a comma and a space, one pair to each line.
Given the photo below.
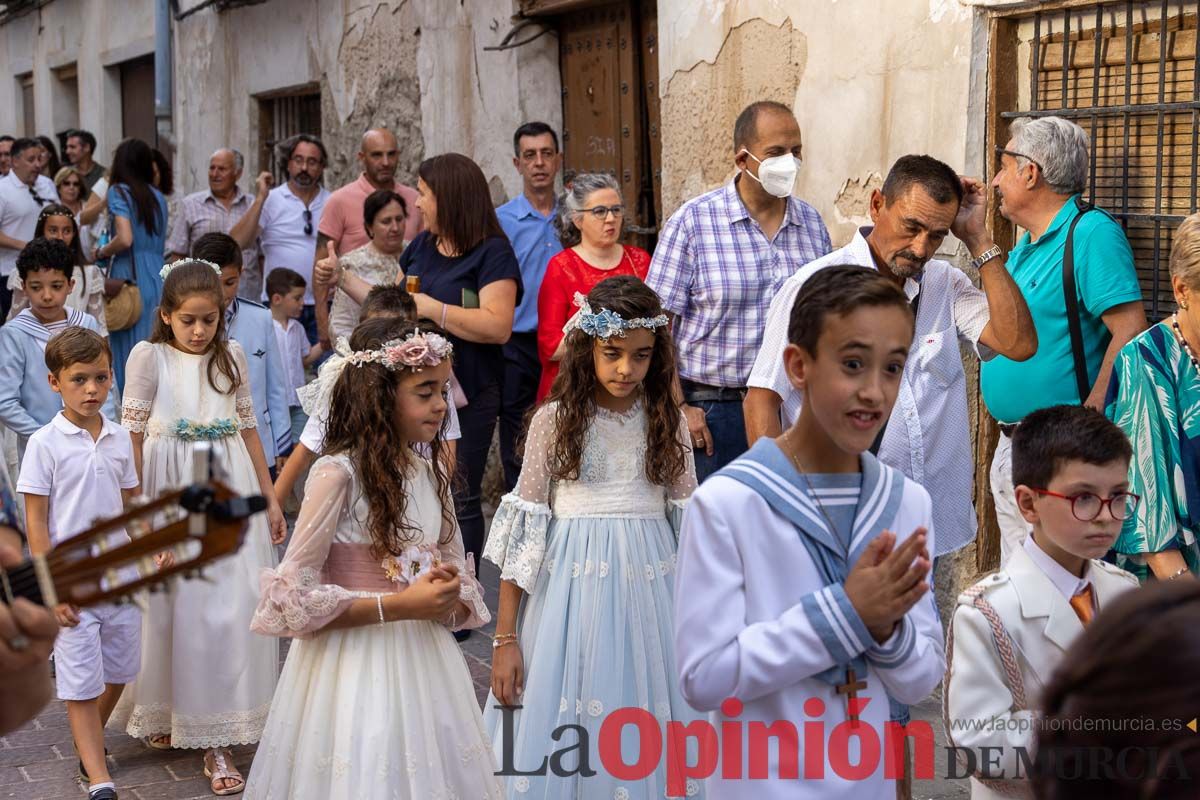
1013, 527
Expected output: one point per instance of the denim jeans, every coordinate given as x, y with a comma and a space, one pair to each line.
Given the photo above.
728, 429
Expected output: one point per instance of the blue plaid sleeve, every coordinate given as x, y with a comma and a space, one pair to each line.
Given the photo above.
671, 269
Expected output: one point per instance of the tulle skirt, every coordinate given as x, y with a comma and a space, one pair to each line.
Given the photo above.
596, 635
378, 712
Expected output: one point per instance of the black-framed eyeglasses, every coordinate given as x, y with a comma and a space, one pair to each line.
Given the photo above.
1001, 151
41, 201
1087, 506
602, 212
308, 222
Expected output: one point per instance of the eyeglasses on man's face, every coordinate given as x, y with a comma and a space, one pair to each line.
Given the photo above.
1087, 506
1002, 151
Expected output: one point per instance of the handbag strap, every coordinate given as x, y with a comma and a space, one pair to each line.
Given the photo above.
1074, 326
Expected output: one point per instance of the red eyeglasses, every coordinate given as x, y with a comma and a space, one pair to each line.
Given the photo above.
1087, 506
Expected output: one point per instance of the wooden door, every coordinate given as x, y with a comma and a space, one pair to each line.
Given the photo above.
610, 121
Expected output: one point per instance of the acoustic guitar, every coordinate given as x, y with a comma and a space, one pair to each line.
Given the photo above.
197, 525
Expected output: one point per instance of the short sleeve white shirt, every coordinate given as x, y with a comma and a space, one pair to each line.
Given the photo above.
928, 433
281, 232
83, 478
293, 347
19, 213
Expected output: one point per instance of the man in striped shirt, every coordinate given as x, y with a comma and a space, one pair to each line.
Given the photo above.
720, 259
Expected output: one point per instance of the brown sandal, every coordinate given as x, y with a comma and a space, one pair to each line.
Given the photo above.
222, 772
158, 741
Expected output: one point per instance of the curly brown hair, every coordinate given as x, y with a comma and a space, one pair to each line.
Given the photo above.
188, 278
575, 388
362, 425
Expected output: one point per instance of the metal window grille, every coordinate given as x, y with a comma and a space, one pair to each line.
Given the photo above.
286, 116
1127, 73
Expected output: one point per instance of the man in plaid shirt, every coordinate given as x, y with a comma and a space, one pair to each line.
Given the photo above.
720, 259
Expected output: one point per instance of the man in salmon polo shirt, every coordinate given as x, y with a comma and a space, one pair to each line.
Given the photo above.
342, 219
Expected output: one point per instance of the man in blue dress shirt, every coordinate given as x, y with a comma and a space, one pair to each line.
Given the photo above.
528, 220
249, 324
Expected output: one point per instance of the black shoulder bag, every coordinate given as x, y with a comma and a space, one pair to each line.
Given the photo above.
1069, 292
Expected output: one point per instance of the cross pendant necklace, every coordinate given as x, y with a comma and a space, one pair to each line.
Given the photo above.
853, 685
851, 688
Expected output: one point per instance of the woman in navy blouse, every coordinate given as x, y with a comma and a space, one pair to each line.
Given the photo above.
470, 283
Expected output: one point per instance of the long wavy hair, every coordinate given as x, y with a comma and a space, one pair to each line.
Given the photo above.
575, 388
189, 278
362, 425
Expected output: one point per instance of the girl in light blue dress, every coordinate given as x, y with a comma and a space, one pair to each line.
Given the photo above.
586, 547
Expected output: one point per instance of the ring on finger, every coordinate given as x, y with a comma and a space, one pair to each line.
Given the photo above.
18, 643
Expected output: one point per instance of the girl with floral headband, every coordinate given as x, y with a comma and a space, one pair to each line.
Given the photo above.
206, 681
375, 700
586, 548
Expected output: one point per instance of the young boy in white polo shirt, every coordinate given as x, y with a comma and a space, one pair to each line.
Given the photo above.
78, 468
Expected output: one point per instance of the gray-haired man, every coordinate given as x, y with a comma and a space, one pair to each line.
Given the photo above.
217, 210
1043, 171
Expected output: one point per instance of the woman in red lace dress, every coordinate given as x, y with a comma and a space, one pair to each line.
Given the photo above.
591, 217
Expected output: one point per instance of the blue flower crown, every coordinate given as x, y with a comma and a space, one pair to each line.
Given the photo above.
607, 323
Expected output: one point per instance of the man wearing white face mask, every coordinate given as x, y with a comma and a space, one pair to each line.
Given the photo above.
720, 259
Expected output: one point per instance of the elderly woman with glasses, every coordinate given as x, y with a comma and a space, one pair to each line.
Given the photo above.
1154, 396
590, 220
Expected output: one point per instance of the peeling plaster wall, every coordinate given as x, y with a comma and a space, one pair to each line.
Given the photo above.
865, 90
869, 82
416, 66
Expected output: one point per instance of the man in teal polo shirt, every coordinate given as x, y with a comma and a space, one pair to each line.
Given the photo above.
1043, 170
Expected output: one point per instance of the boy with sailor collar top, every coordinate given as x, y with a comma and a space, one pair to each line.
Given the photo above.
805, 565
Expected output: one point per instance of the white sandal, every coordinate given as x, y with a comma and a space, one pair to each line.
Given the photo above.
222, 771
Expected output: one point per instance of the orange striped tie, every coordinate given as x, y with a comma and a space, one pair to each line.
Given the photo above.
1083, 605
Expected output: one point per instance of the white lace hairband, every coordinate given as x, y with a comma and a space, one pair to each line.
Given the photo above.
607, 323
166, 270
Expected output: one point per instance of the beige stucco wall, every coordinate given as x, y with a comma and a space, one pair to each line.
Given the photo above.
869, 82
418, 67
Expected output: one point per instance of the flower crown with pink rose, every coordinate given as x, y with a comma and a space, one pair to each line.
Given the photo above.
414, 351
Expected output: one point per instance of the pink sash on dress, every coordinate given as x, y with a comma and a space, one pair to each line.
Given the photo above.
353, 567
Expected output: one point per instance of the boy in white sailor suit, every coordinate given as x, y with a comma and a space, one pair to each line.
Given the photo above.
1010, 631
803, 599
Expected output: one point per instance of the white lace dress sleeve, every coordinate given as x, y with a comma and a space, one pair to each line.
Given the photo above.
517, 541
472, 591
293, 601
141, 385
243, 400
682, 487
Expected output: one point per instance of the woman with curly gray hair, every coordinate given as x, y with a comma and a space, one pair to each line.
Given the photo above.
590, 221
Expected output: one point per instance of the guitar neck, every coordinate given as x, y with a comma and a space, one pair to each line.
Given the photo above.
24, 581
